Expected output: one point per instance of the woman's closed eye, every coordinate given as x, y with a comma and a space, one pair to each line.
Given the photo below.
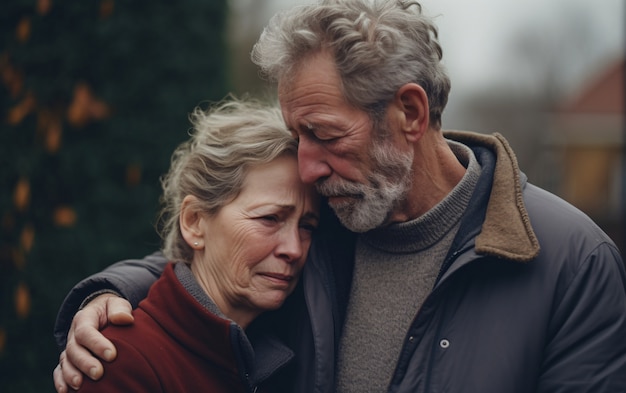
270, 218
308, 226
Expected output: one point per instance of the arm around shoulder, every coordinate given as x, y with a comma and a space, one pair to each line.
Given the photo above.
130, 279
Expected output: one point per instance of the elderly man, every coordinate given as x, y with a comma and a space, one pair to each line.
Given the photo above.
448, 272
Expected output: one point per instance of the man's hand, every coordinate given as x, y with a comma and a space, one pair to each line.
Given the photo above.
84, 341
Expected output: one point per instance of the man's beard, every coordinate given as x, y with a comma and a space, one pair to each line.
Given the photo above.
370, 205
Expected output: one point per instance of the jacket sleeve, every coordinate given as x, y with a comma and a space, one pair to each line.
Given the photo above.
130, 279
587, 347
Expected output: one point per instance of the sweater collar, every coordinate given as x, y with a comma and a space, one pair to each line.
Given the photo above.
426, 230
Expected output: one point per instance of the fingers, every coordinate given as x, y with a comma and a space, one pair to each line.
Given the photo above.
65, 374
80, 360
59, 383
119, 311
85, 342
85, 332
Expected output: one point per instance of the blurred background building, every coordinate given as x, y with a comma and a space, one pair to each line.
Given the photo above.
95, 97
584, 149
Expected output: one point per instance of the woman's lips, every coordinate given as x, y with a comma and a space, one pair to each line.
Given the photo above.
278, 278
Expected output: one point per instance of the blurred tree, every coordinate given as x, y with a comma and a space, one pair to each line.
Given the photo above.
94, 98
246, 21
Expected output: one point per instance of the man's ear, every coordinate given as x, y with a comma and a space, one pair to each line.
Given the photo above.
190, 222
412, 101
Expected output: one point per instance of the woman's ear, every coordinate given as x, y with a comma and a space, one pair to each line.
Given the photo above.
411, 100
190, 222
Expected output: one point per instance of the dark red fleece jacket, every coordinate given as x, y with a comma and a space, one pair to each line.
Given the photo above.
174, 345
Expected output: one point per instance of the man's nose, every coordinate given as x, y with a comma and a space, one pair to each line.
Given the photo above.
312, 163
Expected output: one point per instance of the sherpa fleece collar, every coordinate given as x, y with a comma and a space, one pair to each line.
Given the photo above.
506, 231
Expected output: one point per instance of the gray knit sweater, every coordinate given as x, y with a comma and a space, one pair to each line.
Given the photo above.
395, 270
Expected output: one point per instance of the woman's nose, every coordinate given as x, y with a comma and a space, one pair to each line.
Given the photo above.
290, 247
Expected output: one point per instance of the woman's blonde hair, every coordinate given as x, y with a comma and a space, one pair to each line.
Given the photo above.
226, 140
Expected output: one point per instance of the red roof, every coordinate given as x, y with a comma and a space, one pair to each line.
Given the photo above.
604, 94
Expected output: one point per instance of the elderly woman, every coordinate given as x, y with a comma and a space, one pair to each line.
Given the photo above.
236, 225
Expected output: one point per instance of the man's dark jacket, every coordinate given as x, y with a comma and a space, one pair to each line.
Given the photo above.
531, 297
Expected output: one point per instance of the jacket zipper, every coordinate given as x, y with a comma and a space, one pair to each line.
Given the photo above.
444, 267
251, 389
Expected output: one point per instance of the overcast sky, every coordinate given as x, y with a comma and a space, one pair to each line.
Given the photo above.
568, 40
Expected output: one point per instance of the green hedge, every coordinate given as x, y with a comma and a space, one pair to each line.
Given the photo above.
94, 97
